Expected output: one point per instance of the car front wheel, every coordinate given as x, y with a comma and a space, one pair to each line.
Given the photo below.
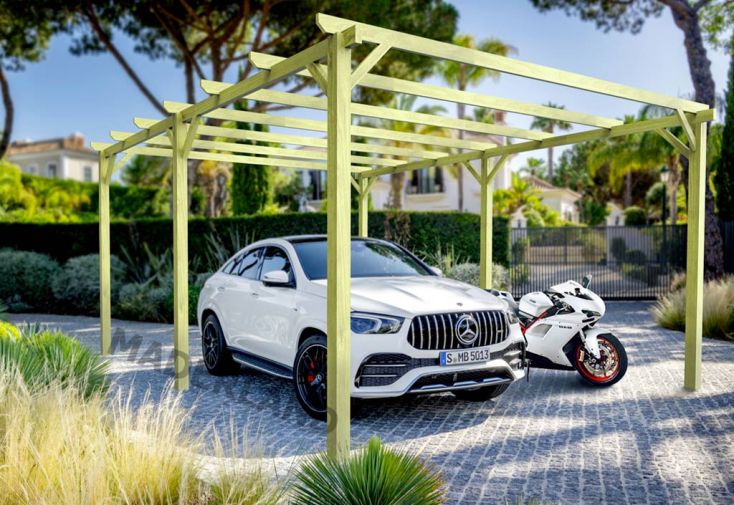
309, 376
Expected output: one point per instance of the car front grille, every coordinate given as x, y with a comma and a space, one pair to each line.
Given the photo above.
438, 331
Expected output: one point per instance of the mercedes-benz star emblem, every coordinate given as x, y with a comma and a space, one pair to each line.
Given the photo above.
467, 329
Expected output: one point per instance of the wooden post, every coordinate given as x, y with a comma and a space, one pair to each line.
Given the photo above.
180, 255
338, 248
485, 232
105, 280
694, 262
363, 212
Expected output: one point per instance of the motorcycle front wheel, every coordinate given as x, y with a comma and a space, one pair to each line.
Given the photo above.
609, 368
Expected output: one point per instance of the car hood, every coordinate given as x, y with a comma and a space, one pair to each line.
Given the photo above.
408, 296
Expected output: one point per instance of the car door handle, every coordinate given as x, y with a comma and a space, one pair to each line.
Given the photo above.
255, 294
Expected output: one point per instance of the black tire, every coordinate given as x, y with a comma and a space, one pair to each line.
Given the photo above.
309, 376
480, 394
583, 367
217, 359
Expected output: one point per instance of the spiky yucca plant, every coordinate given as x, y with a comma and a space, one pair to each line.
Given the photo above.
43, 356
374, 475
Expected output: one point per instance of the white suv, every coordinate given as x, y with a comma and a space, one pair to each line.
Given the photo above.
413, 331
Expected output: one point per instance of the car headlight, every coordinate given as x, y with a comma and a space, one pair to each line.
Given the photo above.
372, 323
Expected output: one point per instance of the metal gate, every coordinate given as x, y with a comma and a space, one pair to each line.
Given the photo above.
627, 262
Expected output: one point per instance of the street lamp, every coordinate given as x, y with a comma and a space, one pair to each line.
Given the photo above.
664, 177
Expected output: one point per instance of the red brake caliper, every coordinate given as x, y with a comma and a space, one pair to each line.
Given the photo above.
310, 377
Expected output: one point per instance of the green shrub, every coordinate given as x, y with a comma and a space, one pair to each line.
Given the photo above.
635, 257
25, 280
593, 247
42, 357
520, 274
76, 287
635, 216
374, 475
469, 273
618, 249
142, 302
643, 273
718, 309
519, 251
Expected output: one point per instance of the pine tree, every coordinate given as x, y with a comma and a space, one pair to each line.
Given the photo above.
250, 183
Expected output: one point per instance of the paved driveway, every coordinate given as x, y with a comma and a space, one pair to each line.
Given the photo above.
644, 440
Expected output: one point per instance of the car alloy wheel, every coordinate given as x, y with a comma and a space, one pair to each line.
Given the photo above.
310, 377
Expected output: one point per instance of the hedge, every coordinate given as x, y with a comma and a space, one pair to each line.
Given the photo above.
425, 232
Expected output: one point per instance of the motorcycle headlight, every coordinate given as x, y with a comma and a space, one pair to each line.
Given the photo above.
375, 324
512, 317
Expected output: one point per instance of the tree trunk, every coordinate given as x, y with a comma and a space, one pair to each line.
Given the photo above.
397, 181
550, 165
686, 18
628, 189
9, 113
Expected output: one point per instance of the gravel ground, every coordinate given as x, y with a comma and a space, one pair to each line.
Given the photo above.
645, 440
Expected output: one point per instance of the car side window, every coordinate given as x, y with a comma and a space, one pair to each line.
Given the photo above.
247, 268
276, 259
231, 267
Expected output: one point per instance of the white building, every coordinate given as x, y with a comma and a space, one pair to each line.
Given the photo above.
62, 158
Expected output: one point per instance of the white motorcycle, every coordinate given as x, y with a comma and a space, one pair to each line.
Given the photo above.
558, 324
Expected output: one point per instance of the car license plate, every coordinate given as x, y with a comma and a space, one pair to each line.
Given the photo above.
462, 357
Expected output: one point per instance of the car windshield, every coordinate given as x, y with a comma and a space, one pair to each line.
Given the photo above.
369, 259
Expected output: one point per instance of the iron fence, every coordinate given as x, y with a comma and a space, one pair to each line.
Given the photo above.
727, 235
627, 262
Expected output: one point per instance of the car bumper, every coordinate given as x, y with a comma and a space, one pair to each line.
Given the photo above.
388, 366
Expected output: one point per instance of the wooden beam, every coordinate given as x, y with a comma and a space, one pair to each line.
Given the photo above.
388, 113
281, 138
369, 62
473, 171
338, 232
179, 168
485, 227
318, 75
687, 128
694, 257
555, 141
321, 126
392, 84
105, 275
474, 57
674, 141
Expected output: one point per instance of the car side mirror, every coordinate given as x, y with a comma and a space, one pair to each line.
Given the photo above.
586, 282
436, 271
276, 278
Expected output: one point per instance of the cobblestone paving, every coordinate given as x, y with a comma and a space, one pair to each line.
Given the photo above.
645, 440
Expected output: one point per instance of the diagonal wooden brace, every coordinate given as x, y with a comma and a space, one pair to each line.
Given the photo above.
686, 124
369, 62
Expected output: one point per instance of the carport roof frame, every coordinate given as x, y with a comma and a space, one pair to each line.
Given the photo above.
178, 136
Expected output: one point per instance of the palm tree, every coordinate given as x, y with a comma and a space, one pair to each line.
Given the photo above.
534, 167
622, 155
520, 193
461, 76
406, 103
655, 150
550, 125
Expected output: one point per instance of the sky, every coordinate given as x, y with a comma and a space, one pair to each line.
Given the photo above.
92, 95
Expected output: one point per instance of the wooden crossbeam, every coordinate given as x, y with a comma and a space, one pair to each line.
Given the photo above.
474, 57
389, 113
321, 126
556, 141
265, 61
674, 141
